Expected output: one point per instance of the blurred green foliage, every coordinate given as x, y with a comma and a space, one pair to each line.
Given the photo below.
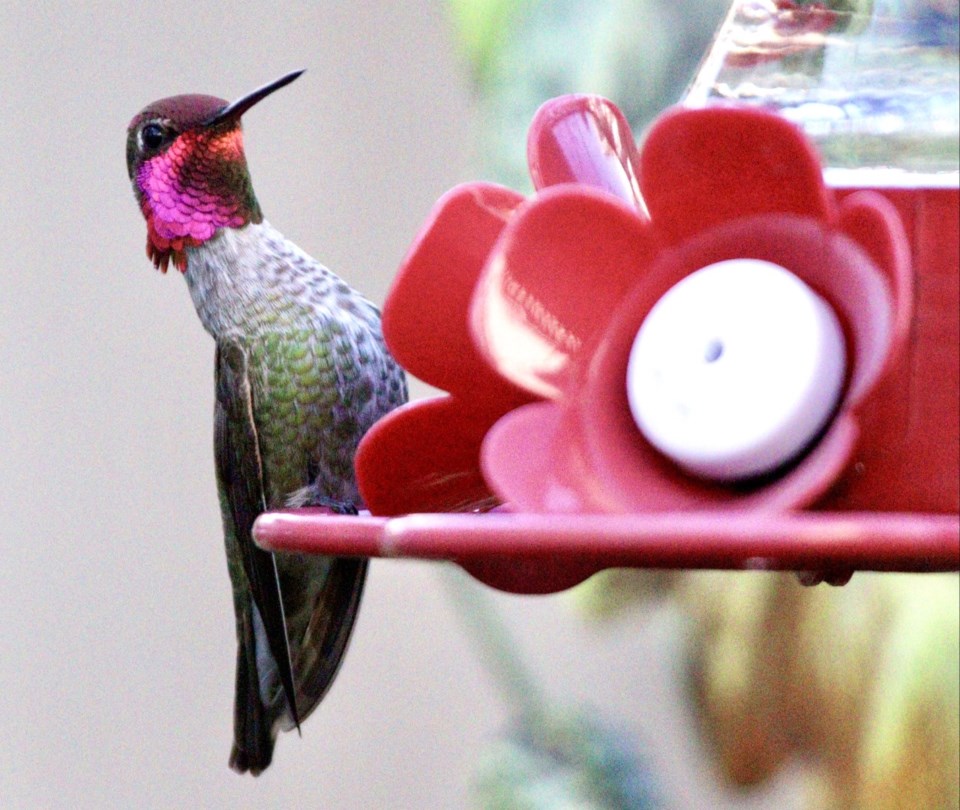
554, 756
641, 54
566, 760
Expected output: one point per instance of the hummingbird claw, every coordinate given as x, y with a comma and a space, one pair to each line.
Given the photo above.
311, 496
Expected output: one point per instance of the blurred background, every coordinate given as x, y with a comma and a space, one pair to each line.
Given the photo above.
116, 632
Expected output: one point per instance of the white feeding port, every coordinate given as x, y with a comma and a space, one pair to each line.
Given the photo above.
736, 369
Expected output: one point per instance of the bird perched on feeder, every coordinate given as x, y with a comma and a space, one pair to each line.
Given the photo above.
301, 373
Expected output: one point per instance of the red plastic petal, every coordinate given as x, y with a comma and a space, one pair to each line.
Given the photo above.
563, 263
424, 457
584, 139
873, 223
425, 315
519, 461
700, 168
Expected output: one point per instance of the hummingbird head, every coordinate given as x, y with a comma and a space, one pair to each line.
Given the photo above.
189, 173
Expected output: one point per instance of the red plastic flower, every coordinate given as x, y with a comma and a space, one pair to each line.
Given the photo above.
554, 288
576, 272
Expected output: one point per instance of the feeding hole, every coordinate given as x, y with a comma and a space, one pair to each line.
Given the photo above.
713, 351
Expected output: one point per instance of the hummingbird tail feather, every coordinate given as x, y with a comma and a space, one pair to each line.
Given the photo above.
253, 734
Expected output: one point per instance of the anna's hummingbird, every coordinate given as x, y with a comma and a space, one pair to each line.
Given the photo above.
301, 373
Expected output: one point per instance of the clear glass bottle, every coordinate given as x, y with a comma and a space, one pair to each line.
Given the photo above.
875, 83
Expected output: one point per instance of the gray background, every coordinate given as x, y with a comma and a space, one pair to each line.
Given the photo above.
116, 633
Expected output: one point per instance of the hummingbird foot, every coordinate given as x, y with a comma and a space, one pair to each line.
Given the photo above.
311, 496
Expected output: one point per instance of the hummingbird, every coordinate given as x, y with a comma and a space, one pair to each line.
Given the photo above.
301, 373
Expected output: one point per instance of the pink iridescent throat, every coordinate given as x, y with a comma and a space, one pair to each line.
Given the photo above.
191, 190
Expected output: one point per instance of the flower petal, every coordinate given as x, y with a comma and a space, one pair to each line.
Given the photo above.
563, 262
700, 168
519, 459
874, 224
584, 139
425, 315
424, 457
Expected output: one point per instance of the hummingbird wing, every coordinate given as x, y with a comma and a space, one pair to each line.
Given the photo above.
241, 476
327, 623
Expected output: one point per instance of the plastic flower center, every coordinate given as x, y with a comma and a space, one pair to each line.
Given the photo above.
736, 370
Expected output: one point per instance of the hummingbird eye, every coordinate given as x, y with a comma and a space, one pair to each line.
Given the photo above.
153, 136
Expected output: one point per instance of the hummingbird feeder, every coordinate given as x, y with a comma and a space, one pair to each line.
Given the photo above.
736, 346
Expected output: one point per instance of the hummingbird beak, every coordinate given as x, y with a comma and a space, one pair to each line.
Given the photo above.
235, 109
